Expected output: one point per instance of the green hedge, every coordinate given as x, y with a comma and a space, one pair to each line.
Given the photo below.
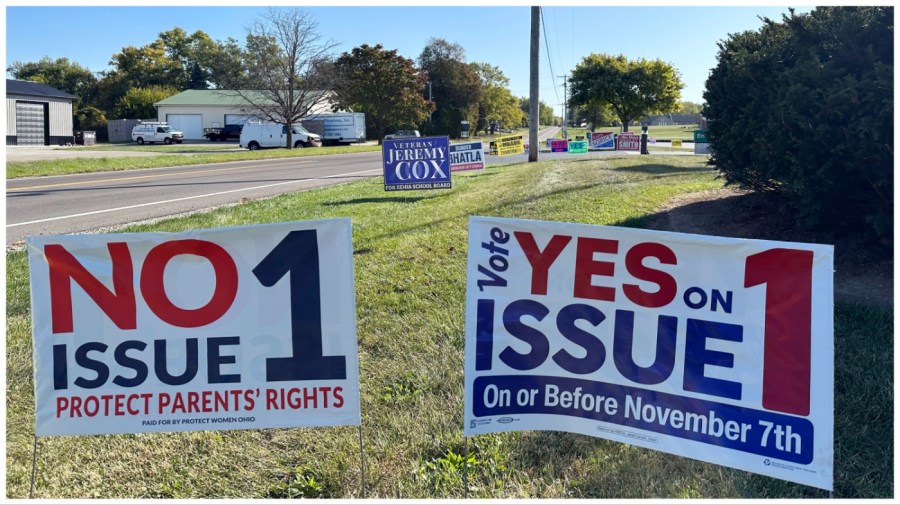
804, 108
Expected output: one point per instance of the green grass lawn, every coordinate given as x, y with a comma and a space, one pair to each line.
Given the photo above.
410, 267
168, 157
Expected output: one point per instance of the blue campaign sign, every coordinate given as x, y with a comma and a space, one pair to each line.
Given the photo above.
416, 163
603, 140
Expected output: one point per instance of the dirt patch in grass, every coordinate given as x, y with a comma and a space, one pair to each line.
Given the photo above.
864, 272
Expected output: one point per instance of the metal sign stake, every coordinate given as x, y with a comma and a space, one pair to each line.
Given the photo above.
362, 462
33, 468
466, 468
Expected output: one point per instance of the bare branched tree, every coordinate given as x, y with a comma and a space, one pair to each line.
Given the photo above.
290, 67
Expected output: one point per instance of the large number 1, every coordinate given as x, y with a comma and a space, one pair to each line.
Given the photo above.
298, 255
787, 274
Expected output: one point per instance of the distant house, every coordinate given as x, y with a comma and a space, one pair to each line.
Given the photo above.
195, 109
38, 115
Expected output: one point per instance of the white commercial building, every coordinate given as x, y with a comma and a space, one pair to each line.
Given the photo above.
195, 109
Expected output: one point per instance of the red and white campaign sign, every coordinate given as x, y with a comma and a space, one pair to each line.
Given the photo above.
714, 348
230, 328
628, 142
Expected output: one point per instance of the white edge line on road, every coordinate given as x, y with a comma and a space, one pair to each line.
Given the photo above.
337, 176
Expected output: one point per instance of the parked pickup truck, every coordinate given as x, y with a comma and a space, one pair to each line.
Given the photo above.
230, 132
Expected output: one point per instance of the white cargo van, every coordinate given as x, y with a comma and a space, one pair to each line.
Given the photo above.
341, 127
156, 132
258, 135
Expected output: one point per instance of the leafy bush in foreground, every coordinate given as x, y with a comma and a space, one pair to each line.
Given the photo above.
804, 108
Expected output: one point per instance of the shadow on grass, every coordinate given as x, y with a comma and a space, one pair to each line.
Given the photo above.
763, 216
477, 174
655, 169
399, 198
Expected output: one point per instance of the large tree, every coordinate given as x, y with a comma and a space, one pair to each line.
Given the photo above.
183, 48
690, 107
545, 112
289, 65
150, 65
631, 88
180, 60
137, 67
383, 84
455, 86
595, 113
204, 62
224, 64
138, 102
60, 73
498, 105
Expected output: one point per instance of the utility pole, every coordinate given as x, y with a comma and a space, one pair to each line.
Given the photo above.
534, 105
565, 79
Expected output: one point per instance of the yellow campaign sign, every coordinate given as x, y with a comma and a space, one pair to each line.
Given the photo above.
512, 144
676, 143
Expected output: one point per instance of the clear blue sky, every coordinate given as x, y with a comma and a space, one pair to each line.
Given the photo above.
683, 36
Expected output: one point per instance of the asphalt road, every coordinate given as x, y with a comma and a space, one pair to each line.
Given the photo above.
107, 200
91, 202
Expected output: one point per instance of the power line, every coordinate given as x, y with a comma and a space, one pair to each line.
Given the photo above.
558, 44
547, 45
573, 38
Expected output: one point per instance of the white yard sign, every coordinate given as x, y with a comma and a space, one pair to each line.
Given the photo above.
712, 348
466, 156
249, 327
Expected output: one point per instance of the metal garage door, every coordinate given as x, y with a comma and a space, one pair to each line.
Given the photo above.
190, 124
31, 127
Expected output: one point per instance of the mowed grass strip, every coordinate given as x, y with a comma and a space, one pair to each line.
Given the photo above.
409, 262
165, 159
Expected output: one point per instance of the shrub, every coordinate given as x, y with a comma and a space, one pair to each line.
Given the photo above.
804, 108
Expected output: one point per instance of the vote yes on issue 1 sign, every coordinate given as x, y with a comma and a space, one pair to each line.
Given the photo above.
230, 328
712, 348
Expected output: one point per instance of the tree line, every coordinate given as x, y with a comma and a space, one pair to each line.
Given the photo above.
288, 65
285, 66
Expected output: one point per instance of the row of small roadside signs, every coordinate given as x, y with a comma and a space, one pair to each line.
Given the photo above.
514, 144
427, 162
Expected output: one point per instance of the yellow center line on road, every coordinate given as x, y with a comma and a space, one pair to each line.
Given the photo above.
135, 177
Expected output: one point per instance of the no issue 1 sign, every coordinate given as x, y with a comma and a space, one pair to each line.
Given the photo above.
713, 348
248, 327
